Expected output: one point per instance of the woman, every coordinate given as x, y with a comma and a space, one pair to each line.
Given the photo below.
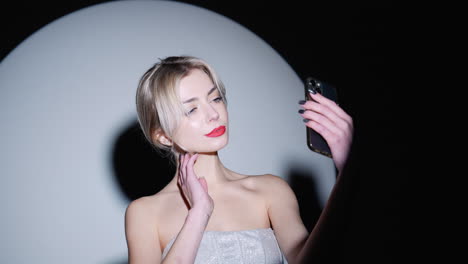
208, 213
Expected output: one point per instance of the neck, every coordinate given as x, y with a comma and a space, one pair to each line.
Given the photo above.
209, 166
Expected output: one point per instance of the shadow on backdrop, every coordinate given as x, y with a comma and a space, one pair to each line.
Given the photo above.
304, 188
139, 169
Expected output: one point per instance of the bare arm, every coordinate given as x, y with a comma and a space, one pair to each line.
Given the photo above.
143, 239
185, 247
283, 211
296, 243
336, 126
142, 235
330, 225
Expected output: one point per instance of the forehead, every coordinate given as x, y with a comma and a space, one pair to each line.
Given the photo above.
195, 83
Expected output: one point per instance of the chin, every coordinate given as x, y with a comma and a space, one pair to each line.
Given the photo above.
213, 146
222, 145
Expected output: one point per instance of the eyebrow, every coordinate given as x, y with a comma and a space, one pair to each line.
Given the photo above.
196, 98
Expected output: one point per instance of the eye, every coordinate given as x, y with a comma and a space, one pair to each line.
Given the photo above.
191, 111
218, 99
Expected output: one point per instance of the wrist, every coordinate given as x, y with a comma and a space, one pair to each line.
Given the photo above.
202, 207
198, 217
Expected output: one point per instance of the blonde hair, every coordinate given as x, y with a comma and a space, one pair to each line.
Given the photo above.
157, 101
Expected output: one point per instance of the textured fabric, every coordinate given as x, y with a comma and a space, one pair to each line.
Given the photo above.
257, 246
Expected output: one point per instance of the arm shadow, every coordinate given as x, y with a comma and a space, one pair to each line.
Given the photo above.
304, 187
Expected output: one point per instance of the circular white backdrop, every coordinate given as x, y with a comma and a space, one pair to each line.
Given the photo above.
69, 88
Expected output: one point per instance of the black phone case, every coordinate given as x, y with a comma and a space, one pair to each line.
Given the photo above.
315, 141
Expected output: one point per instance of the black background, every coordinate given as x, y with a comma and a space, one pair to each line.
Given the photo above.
354, 48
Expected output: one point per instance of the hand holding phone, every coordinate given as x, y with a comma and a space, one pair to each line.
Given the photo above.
326, 122
315, 141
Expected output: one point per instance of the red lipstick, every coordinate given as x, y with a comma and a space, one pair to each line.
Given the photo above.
217, 132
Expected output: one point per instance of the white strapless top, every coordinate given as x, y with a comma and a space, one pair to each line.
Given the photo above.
256, 246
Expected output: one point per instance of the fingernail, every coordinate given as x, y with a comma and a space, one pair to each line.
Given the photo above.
301, 102
301, 111
305, 120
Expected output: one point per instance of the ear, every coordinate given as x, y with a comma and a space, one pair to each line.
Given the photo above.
161, 137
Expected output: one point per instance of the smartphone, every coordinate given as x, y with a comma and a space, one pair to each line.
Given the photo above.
315, 141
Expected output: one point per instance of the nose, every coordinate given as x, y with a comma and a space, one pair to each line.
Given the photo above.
211, 114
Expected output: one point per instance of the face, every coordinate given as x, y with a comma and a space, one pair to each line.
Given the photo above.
204, 128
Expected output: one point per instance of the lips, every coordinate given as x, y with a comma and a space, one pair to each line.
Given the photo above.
217, 132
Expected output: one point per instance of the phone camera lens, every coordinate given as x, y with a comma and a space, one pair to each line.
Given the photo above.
314, 85
318, 87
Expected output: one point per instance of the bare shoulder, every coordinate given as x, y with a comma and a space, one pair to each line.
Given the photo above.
274, 189
268, 182
139, 229
143, 225
270, 178
141, 206
268, 186
148, 208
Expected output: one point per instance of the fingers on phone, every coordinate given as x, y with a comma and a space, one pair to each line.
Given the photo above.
324, 120
329, 109
332, 105
321, 129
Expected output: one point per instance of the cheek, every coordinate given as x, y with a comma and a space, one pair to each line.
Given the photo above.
186, 132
